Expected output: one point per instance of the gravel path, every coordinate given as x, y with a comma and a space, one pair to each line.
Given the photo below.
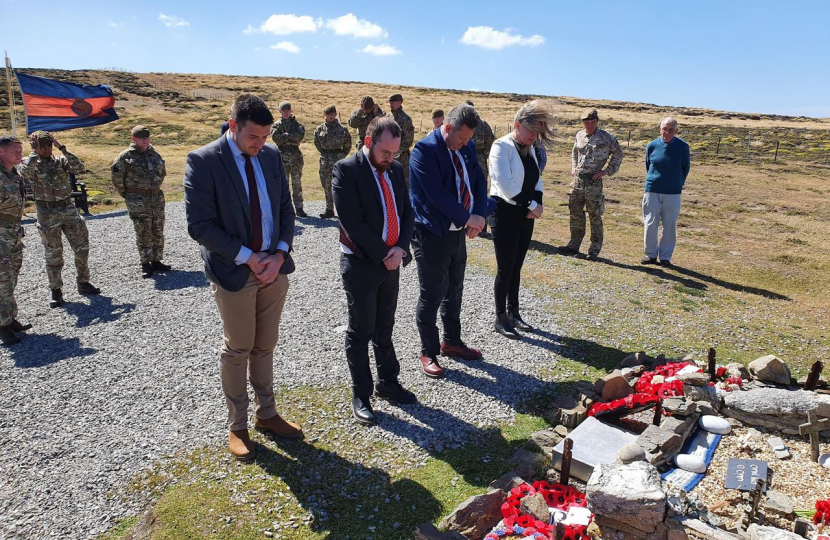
104, 388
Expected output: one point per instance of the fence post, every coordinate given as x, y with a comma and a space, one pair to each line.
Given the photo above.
629, 138
717, 150
747, 148
774, 159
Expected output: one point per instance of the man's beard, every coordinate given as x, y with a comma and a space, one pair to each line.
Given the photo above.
381, 167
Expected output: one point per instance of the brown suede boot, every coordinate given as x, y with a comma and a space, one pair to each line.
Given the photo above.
276, 425
240, 445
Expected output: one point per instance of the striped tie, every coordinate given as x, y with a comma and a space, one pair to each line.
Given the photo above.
463, 191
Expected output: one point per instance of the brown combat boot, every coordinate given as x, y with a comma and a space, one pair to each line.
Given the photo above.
240, 445
276, 425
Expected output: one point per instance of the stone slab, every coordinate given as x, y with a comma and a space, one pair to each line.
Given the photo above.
594, 442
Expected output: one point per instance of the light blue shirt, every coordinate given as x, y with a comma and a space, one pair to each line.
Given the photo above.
264, 202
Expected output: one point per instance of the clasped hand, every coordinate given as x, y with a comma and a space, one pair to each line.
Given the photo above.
265, 267
393, 258
475, 225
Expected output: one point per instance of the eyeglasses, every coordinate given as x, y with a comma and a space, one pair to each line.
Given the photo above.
386, 154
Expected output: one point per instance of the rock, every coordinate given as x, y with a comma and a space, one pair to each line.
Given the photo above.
763, 532
574, 416
738, 370
702, 393
690, 463
775, 408
661, 360
477, 515
506, 482
680, 425
779, 503
635, 359
706, 408
632, 493
554, 415
613, 386
630, 453
770, 368
536, 506
802, 527
593, 530
546, 439
694, 379
527, 464
705, 530
715, 424
678, 406
562, 431
427, 531
660, 445
824, 461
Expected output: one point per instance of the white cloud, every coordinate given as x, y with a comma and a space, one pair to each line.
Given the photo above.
113, 24
380, 50
282, 25
489, 38
172, 22
349, 25
286, 46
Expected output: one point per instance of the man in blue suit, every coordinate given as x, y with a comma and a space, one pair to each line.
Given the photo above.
239, 211
449, 198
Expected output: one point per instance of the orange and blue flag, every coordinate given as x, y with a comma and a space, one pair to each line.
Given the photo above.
56, 105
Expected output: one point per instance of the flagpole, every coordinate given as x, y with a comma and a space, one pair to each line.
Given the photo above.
11, 96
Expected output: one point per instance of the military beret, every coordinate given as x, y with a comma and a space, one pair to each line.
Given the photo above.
589, 114
285, 106
367, 102
330, 109
396, 97
42, 136
437, 113
140, 132
470, 103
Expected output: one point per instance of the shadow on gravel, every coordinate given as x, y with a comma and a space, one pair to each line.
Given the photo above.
179, 279
38, 350
106, 215
100, 310
314, 222
582, 350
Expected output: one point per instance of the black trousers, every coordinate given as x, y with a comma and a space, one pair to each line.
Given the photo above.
372, 297
441, 264
512, 231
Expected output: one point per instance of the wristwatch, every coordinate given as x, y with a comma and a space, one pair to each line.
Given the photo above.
283, 253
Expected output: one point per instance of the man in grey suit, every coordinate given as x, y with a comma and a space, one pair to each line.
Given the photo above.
239, 211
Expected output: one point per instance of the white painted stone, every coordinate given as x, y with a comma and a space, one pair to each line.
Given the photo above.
690, 463
715, 424
824, 461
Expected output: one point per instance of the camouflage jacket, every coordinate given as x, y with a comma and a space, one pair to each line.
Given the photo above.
50, 177
11, 193
591, 152
483, 138
135, 169
332, 137
360, 121
407, 128
288, 134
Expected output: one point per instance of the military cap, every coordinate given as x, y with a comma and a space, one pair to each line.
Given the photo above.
330, 109
42, 136
437, 113
367, 102
285, 106
396, 97
589, 114
140, 132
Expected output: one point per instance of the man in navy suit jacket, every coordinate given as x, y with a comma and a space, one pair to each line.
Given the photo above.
239, 210
449, 198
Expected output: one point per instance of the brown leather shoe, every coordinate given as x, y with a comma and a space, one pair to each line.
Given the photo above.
280, 427
240, 445
461, 351
431, 367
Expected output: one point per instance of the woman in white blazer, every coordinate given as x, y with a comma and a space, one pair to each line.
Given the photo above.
516, 186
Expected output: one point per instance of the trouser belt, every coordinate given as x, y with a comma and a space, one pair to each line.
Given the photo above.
141, 191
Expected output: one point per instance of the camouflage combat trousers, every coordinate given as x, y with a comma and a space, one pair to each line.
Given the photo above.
403, 159
11, 259
292, 160
586, 195
327, 162
485, 169
51, 222
147, 214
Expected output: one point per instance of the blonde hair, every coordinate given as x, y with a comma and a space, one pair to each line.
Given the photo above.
537, 116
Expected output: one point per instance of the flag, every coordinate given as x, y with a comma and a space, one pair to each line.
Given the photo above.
55, 105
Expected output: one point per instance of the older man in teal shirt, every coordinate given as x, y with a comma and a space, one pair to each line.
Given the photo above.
667, 166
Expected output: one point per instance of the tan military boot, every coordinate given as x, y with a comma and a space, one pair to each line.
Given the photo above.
240, 445
276, 425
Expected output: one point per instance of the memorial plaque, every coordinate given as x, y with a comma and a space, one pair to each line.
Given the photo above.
743, 473
594, 442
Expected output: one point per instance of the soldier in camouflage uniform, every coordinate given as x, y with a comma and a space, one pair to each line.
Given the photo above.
407, 134
137, 175
592, 149
333, 141
12, 200
437, 118
483, 138
361, 117
56, 212
288, 133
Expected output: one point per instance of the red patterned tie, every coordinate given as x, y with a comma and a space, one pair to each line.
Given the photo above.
463, 191
256, 210
391, 213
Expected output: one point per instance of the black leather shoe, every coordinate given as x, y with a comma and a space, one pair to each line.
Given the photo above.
395, 392
57, 298
7, 336
648, 260
592, 257
362, 411
159, 266
300, 213
516, 321
328, 214
88, 289
667, 264
17, 326
146, 270
567, 250
504, 327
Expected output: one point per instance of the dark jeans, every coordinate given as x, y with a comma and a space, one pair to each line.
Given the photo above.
512, 232
441, 263
372, 297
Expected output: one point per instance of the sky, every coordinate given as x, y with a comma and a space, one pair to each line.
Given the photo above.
751, 56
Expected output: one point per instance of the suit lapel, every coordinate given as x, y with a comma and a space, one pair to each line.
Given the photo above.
367, 173
233, 172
